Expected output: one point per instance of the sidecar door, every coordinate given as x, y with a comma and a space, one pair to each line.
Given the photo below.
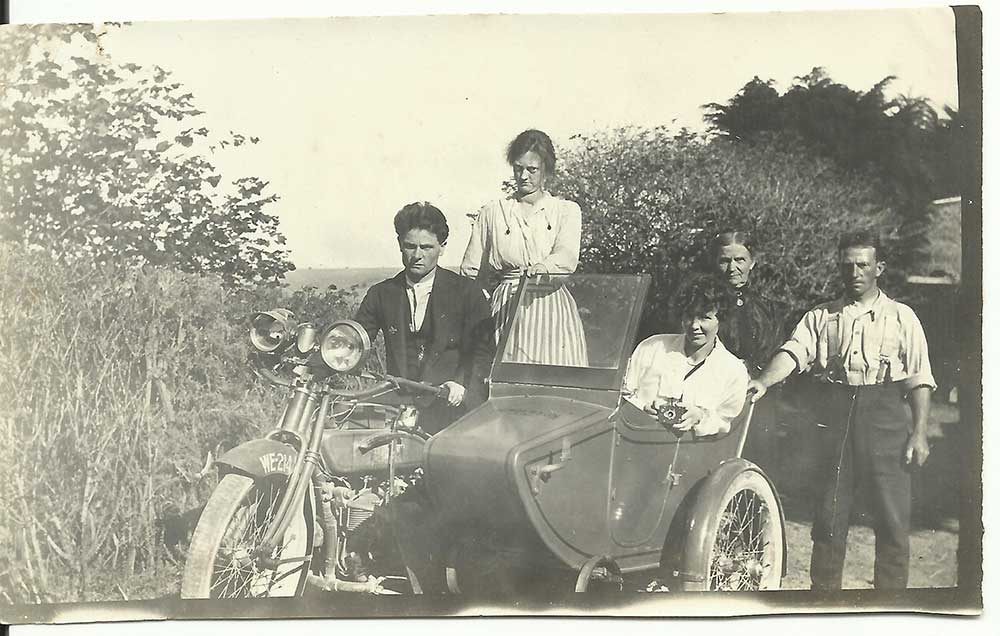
646, 462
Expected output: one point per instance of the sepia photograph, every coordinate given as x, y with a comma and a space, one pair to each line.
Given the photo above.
490, 313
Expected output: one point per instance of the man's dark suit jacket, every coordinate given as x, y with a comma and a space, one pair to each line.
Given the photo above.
462, 346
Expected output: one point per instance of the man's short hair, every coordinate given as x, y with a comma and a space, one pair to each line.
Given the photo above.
700, 294
421, 215
861, 238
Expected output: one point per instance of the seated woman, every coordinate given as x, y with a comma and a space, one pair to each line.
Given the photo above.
693, 366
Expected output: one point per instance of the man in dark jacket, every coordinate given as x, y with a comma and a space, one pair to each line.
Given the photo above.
438, 329
437, 325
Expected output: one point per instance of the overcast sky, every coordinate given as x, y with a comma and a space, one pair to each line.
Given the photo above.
359, 116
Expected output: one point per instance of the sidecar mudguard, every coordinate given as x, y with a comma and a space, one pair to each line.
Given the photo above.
709, 493
259, 458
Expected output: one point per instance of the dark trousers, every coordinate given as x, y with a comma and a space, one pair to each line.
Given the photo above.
862, 443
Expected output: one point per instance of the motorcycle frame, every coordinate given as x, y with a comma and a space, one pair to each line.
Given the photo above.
298, 419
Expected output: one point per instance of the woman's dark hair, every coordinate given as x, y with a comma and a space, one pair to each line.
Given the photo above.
421, 215
861, 238
732, 237
698, 295
533, 141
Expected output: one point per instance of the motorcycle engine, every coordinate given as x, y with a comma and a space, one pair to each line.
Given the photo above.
352, 507
355, 511
360, 539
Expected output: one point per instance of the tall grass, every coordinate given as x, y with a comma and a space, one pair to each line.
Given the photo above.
116, 390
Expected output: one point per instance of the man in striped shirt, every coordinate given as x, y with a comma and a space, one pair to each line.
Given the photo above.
869, 355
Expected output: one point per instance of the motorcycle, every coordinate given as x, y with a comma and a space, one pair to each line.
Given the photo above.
287, 503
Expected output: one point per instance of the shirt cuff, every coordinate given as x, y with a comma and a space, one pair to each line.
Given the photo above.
915, 381
712, 424
798, 353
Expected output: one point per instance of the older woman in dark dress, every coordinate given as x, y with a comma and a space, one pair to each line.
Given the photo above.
753, 332
756, 323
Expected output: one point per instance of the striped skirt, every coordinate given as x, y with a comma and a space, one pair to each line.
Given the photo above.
547, 329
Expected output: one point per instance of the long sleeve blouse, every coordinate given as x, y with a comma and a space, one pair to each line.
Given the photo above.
659, 369
509, 235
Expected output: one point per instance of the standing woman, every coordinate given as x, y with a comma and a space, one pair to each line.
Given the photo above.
530, 232
754, 331
755, 328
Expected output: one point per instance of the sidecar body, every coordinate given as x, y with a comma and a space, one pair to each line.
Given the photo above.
557, 470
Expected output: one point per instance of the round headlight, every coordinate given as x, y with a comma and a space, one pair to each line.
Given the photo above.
344, 345
272, 330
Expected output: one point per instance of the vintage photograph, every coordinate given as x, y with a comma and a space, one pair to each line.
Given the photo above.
601, 314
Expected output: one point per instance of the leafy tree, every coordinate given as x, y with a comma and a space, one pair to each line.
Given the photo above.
652, 201
755, 108
903, 141
107, 161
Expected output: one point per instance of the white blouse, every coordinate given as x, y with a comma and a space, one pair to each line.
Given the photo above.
509, 235
657, 369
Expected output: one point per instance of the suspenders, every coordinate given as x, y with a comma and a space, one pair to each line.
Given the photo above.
836, 367
890, 343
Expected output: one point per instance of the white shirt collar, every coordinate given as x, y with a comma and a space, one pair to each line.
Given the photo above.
424, 283
857, 308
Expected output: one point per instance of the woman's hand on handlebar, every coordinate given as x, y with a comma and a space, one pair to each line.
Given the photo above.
455, 393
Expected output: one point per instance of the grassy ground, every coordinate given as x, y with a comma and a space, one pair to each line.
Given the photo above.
932, 560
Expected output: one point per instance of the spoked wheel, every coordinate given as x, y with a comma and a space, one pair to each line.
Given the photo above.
745, 539
223, 561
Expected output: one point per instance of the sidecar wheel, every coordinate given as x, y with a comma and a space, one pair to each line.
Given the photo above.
743, 547
220, 562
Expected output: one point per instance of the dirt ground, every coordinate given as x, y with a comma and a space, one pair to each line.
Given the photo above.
934, 536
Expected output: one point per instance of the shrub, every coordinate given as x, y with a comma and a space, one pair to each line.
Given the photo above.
652, 201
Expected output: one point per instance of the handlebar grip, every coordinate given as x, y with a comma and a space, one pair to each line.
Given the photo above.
258, 362
421, 387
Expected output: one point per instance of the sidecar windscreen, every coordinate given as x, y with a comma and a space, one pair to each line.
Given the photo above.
571, 330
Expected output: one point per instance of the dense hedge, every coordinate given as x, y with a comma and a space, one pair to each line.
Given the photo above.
652, 201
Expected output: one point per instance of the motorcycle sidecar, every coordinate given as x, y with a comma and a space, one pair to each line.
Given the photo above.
555, 473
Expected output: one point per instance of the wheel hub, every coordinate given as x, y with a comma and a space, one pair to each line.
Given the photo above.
241, 557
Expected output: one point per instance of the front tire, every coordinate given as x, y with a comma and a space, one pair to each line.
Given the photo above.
220, 562
745, 549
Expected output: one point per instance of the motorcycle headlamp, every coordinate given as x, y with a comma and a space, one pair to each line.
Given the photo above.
272, 330
344, 345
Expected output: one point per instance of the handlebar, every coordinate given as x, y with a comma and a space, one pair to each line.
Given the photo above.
388, 383
419, 387
263, 365
262, 369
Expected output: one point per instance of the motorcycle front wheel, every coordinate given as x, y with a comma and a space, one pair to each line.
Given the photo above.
223, 560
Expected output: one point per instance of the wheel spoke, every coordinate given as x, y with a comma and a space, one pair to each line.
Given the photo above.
742, 557
237, 571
